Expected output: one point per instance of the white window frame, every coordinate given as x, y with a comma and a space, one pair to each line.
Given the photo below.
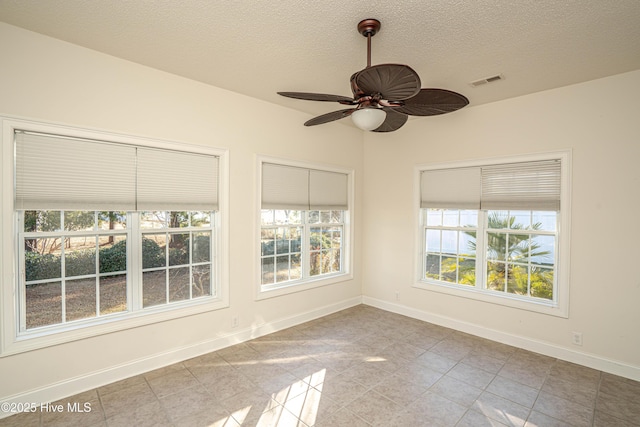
559, 306
284, 288
14, 342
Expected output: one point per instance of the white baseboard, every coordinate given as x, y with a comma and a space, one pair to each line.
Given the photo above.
570, 355
72, 386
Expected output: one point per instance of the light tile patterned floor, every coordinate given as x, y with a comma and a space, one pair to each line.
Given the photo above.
360, 367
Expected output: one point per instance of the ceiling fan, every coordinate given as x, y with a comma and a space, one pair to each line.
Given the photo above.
384, 95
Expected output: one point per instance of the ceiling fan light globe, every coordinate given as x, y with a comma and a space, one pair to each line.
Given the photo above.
368, 118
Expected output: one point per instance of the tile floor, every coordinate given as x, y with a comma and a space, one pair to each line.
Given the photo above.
360, 367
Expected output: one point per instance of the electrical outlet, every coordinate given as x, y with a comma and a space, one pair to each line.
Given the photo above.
235, 321
577, 338
397, 295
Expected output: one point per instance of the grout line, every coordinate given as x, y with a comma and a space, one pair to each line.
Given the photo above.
595, 402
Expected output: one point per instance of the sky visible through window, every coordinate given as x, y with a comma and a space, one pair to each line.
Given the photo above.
452, 242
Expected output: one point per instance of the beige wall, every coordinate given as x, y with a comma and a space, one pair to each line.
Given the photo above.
600, 122
48, 80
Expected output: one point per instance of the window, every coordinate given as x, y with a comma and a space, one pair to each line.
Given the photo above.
285, 233
450, 237
75, 262
518, 253
177, 256
304, 227
110, 232
493, 231
281, 246
92, 247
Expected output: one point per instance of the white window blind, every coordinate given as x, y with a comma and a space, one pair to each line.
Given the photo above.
457, 188
56, 172
290, 187
284, 187
528, 186
64, 173
176, 181
327, 190
531, 185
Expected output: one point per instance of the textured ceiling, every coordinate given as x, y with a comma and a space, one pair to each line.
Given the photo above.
260, 47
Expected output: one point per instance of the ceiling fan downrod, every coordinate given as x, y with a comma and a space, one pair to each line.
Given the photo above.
368, 28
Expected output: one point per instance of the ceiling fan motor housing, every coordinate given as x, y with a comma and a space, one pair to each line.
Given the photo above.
369, 27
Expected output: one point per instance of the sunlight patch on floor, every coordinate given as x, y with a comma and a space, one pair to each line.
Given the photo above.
300, 400
241, 414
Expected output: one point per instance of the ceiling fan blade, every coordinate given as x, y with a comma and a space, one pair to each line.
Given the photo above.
394, 121
394, 82
354, 87
329, 117
318, 97
432, 102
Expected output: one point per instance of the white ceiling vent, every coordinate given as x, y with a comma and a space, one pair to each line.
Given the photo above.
487, 80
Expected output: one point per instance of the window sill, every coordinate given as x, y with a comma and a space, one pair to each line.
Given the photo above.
538, 305
299, 286
46, 337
